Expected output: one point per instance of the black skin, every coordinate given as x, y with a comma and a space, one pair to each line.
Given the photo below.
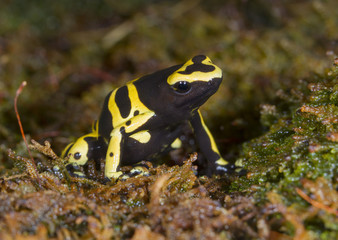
173, 109
168, 123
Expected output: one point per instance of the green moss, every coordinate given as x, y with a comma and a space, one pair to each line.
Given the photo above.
302, 145
298, 145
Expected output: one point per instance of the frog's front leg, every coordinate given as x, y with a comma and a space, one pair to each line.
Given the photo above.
114, 154
216, 164
116, 141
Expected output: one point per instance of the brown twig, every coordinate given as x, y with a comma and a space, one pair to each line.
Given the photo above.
32, 164
315, 203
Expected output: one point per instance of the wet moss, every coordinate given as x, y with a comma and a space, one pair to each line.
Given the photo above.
299, 149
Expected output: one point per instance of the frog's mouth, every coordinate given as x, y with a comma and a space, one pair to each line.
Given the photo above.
207, 89
202, 91
215, 81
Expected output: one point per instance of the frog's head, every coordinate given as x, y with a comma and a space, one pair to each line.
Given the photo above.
194, 82
77, 152
180, 89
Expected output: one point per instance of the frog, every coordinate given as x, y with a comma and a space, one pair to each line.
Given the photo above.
147, 115
90, 146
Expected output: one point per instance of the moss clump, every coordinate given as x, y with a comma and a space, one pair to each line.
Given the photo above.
302, 137
302, 143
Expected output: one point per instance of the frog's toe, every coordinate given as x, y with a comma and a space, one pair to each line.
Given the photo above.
114, 175
229, 169
136, 171
75, 170
78, 174
225, 169
241, 171
140, 170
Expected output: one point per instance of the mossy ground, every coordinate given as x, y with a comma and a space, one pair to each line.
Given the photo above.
276, 112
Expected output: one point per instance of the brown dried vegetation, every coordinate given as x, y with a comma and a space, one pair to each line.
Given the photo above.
172, 203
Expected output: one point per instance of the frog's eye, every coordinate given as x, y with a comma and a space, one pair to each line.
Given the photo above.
182, 87
77, 156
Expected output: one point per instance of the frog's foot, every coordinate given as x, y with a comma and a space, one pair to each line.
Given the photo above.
75, 170
137, 171
238, 166
223, 167
140, 170
114, 175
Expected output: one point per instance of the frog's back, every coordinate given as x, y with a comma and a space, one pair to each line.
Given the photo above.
119, 107
135, 98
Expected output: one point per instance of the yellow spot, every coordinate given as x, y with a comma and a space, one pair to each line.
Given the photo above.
176, 144
79, 174
142, 136
239, 163
138, 121
221, 161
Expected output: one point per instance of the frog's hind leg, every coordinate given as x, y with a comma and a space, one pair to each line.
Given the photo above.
114, 152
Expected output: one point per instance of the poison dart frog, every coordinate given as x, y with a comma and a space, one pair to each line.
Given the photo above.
90, 146
147, 115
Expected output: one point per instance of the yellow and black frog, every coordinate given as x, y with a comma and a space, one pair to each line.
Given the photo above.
88, 147
147, 116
